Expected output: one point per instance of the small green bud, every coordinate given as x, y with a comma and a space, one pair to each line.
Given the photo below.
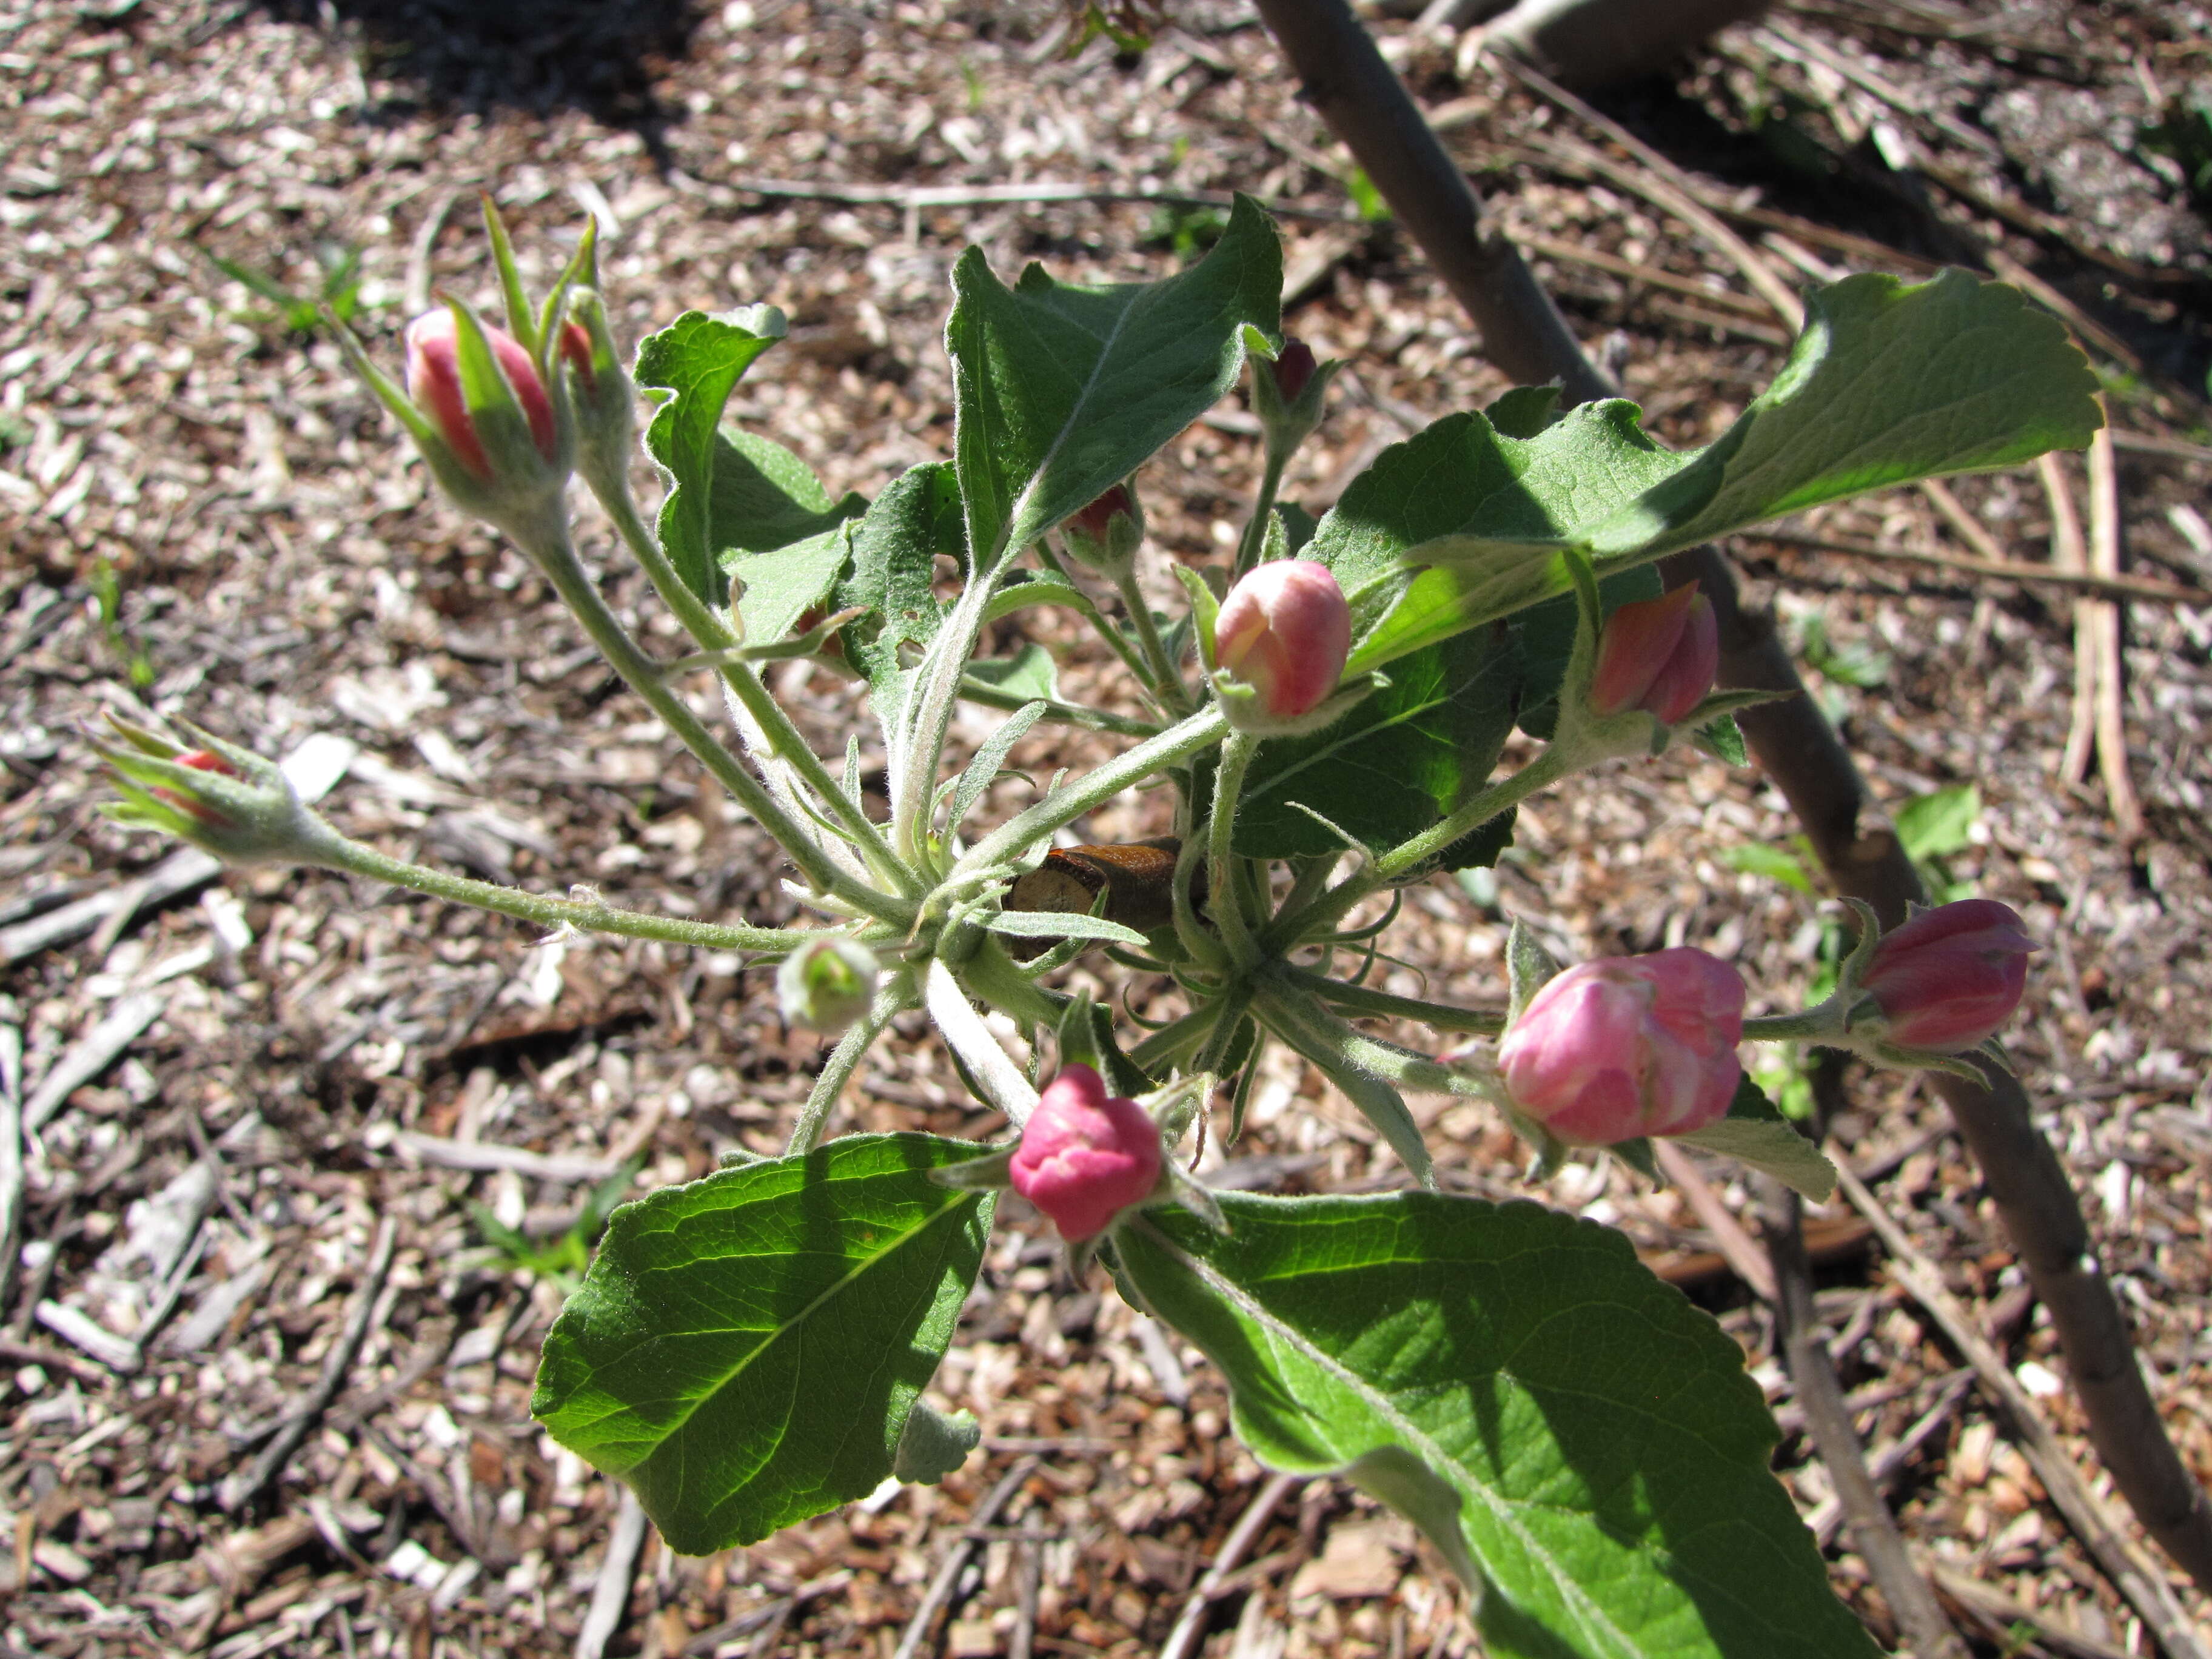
826, 983
1106, 535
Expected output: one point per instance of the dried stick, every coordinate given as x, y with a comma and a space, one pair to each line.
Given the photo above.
1190, 1623
1734, 1244
956, 1560
2069, 552
1912, 1603
2104, 560
1366, 106
1887, 1460
610, 1589
2136, 1578
2009, 570
239, 1490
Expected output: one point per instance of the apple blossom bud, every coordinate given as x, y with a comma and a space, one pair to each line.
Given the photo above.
1628, 1046
1106, 534
1949, 978
826, 983
1293, 367
200, 760
434, 381
1085, 1158
1657, 655
1285, 630
576, 347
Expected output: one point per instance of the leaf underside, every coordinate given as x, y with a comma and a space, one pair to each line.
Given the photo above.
745, 1349
1606, 1455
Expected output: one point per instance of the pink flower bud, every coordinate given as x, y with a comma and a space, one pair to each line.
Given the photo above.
1950, 977
1285, 631
1093, 519
1106, 535
1658, 655
1294, 367
206, 759
1628, 1046
434, 380
1084, 1158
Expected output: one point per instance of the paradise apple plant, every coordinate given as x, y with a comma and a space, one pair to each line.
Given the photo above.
1329, 709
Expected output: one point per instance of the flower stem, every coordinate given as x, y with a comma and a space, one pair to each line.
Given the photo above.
1070, 801
785, 741
894, 999
1255, 528
352, 858
1167, 681
1224, 904
1381, 1004
556, 557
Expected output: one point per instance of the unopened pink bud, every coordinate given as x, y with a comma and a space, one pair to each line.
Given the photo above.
1294, 368
1093, 519
1950, 977
1628, 1046
1658, 655
1085, 1158
434, 380
206, 759
1285, 630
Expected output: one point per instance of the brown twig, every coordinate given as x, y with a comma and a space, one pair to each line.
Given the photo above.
610, 1589
1190, 1623
1734, 1244
1874, 1530
241, 1489
2070, 555
2104, 560
955, 1561
2010, 571
2137, 1579
1890, 1458
1366, 106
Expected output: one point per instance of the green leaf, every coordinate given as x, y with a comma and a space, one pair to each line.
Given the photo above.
1029, 672
1938, 825
1722, 738
1401, 761
935, 1443
1063, 924
1755, 1133
745, 1349
1061, 392
894, 571
765, 497
693, 364
1888, 384
1567, 1427
1774, 863
781, 587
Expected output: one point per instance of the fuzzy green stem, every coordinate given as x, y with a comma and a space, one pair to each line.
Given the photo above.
557, 559
352, 858
1177, 1037
1381, 1004
1166, 680
1065, 714
785, 741
1255, 528
894, 999
1224, 902
1070, 801
1823, 1025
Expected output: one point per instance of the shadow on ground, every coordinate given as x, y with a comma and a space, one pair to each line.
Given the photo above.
599, 56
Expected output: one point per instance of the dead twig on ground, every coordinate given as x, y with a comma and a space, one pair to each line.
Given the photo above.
2010, 571
1874, 1530
2104, 560
1190, 1623
947, 1578
1734, 1244
610, 1589
1889, 1459
241, 1489
2139, 1580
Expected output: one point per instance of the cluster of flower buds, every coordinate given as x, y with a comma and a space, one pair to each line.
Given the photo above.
1623, 1046
1657, 656
501, 415
1105, 536
1279, 644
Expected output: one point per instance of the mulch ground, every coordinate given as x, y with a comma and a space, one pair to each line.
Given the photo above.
242, 1081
